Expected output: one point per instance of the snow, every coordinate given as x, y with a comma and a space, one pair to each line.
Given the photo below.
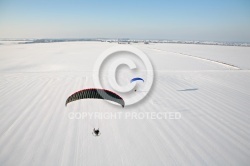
232, 55
207, 85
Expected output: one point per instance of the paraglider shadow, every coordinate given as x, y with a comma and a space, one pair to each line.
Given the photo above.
190, 89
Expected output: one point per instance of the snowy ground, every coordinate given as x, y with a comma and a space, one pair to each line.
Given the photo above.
207, 85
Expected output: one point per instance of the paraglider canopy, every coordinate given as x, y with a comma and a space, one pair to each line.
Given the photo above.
94, 93
136, 79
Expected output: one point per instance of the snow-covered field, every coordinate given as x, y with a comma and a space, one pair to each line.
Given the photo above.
207, 85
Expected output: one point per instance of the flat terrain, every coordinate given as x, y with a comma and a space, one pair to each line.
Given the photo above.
207, 85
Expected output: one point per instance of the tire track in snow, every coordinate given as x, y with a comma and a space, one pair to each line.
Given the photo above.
230, 66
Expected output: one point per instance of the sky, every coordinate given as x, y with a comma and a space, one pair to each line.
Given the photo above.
203, 20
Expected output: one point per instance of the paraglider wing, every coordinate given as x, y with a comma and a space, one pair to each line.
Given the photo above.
136, 79
95, 94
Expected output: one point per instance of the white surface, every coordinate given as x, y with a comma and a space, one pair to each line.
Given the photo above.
232, 55
212, 98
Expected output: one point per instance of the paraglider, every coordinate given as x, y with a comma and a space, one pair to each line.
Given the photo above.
95, 94
136, 79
